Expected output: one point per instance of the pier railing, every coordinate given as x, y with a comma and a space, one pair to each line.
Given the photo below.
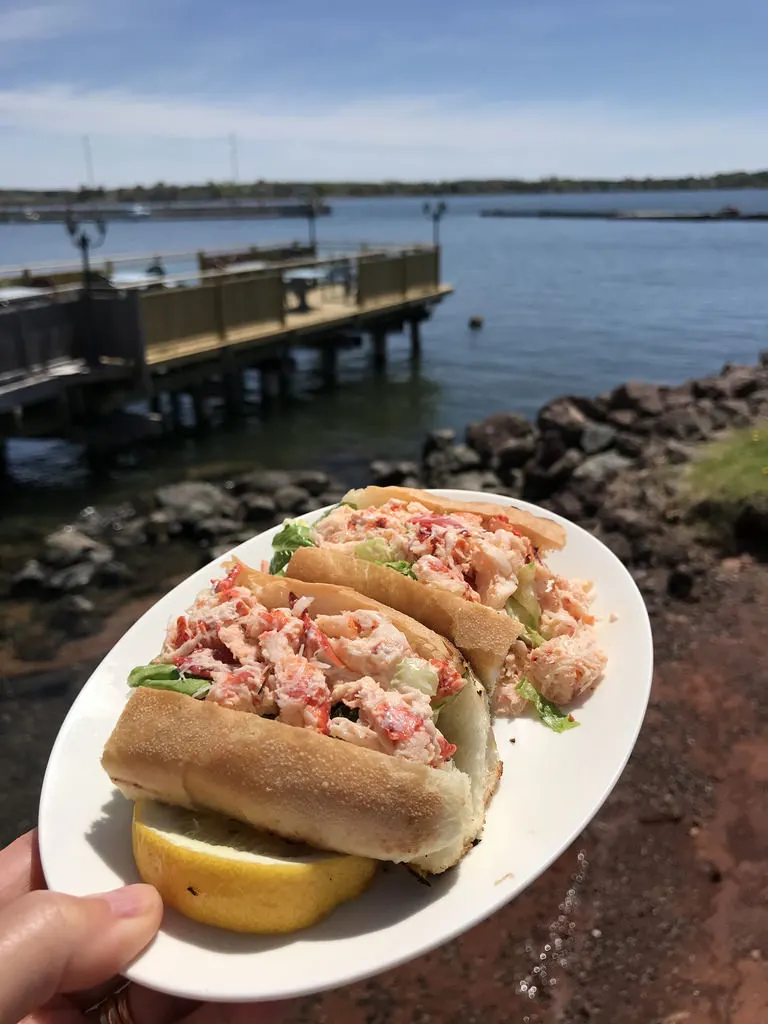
134, 328
229, 260
36, 338
197, 264
249, 304
79, 331
229, 310
51, 280
382, 278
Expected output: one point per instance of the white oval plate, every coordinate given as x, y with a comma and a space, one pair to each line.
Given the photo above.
553, 784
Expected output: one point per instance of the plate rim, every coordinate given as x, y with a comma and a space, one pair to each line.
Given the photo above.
134, 971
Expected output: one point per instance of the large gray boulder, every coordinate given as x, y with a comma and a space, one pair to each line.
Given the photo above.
191, 502
68, 546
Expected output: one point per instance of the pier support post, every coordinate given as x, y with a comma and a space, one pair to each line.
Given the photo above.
379, 337
266, 386
200, 407
329, 358
415, 338
175, 399
234, 393
7, 430
284, 371
158, 407
99, 460
232, 386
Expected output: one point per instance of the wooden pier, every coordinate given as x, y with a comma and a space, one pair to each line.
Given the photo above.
67, 365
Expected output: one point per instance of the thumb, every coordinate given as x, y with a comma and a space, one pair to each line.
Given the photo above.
51, 943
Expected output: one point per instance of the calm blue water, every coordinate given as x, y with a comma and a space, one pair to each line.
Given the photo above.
569, 306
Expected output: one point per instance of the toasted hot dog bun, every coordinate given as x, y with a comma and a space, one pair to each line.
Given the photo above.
544, 533
305, 786
482, 634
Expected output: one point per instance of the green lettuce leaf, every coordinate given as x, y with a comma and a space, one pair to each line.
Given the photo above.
375, 549
401, 567
519, 611
167, 677
525, 596
532, 638
294, 535
549, 713
416, 674
530, 634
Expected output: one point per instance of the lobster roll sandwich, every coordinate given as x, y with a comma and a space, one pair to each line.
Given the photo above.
313, 712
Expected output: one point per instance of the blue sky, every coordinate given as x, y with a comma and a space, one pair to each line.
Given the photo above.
356, 89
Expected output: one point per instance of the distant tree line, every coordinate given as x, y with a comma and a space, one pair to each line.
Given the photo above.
273, 190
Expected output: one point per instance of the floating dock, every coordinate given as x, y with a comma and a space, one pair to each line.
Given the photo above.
727, 214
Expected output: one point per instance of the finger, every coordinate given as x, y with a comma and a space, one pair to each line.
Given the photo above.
52, 943
238, 1013
57, 1012
20, 869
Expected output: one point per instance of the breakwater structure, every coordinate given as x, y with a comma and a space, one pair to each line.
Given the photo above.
72, 361
727, 213
204, 210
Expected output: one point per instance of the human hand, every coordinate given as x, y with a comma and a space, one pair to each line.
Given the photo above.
52, 945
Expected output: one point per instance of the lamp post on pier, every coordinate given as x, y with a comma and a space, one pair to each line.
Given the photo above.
435, 212
85, 241
313, 208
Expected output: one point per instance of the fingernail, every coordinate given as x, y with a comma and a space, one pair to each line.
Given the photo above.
130, 900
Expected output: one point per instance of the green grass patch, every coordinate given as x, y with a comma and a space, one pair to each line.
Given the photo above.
733, 469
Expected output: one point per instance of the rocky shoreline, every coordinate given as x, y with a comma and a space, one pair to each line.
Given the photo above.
611, 464
669, 923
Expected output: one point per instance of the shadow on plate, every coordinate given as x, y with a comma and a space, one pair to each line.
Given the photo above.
396, 894
110, 837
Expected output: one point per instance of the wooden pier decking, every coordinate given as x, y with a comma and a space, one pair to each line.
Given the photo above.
256, 313
66, 364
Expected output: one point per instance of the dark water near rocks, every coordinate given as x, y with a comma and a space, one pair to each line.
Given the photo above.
569, 306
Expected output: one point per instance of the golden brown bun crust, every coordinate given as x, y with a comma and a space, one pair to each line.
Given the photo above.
301, 785
482, 634
274, 591
465, 720
544, 533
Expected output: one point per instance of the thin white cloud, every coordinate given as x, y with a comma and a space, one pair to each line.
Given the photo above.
142, 137
43, 21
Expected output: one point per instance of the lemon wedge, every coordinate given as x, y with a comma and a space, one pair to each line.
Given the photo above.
222, 873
